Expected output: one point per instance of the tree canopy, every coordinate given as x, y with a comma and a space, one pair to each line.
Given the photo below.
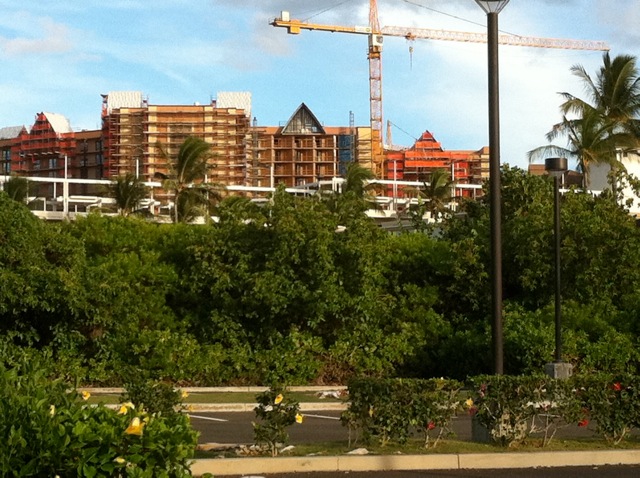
277, 293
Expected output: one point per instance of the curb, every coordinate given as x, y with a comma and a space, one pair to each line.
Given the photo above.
249, 407
250, 389
348, 463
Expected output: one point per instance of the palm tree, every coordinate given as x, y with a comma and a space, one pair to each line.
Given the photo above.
438, 192
186, 179
128, 191
591, 140
354, 198
615, 94
17, 188
607, 122
355, 180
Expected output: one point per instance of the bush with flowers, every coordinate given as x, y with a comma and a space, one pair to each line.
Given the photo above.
153, 395
46, 429
611, 403
275, 412
392, 409
511, 408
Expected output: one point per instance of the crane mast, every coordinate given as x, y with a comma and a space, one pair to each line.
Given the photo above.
375, 88
376, 36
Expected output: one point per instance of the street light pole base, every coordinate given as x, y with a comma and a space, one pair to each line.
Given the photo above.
559, 370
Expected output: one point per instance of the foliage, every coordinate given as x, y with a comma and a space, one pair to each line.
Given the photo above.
438, 192
128, 191
612, 402
17, 188
275, 413
41, 269
278, 292
47, 430
293, 358
596, 128
187, 179
389, 409
153, 396
510, 406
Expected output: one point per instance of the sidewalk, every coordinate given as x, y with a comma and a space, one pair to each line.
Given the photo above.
346, 463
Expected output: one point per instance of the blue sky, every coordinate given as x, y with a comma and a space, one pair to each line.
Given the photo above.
60, 55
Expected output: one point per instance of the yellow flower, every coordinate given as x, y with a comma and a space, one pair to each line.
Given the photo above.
278, 399
124, 407
298, 418
135, 427
184, 394
119, 460
52, 410
370, 411
85, 395
469, 402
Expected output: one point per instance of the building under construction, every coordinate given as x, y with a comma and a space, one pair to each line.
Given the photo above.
417, 163
50, 148
139, 138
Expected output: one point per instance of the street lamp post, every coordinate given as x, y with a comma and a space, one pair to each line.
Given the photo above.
556, 167
492, 8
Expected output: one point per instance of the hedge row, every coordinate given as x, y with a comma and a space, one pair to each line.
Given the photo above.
509, 408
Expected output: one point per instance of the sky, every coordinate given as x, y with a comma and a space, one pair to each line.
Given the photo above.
59, 56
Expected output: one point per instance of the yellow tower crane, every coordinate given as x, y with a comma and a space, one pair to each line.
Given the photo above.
376, 36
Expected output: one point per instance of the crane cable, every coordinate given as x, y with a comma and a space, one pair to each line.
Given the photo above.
325, 10
416, 4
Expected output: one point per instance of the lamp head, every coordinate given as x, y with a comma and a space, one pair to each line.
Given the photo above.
492, 6
555, 166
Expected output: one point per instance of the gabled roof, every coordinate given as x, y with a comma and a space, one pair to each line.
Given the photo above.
303, 121
10, 132
59, 123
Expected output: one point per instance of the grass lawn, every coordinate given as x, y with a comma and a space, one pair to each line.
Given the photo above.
220, 397
444, 446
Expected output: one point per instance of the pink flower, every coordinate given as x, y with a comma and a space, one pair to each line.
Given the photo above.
431, 426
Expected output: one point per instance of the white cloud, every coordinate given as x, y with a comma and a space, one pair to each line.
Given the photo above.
44, 36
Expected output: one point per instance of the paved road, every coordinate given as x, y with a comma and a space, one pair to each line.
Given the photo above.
317, 427
568, 472
237, 428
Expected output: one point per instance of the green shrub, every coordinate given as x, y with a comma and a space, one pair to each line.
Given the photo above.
276, 412
390, 409
291, 358
611, 402
47, 430
512, 407
153, 396
613, 352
